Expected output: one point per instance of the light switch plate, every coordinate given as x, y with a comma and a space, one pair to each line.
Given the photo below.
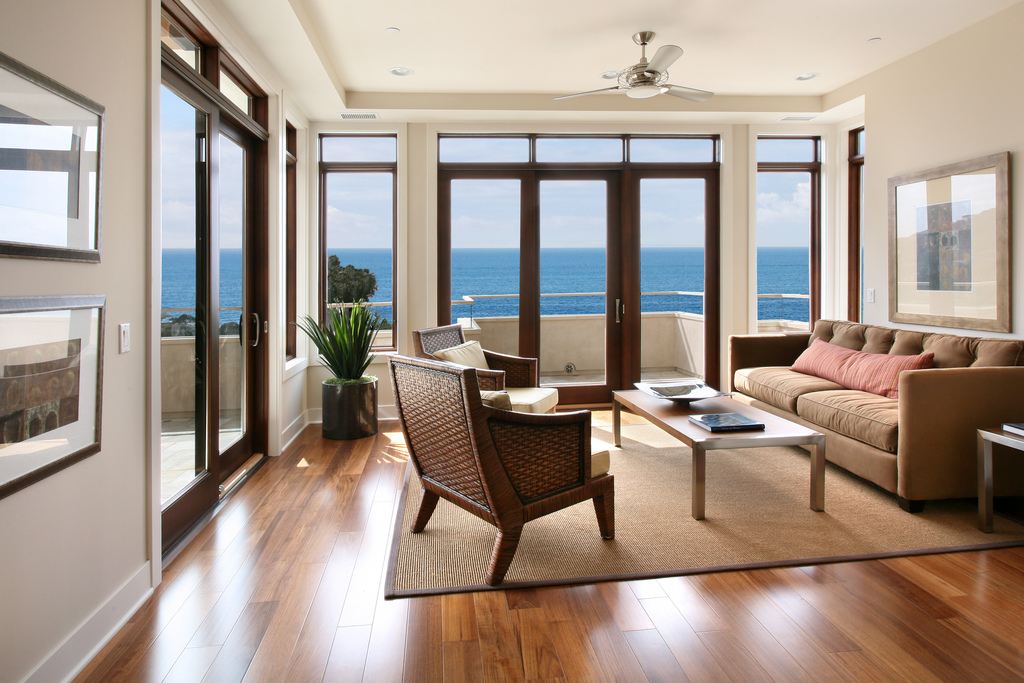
124, 337
871, 296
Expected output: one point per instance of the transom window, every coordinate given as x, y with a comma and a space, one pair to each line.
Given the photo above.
576, 149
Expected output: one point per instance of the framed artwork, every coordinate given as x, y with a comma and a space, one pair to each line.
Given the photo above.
51, 371
50, 159
949, 246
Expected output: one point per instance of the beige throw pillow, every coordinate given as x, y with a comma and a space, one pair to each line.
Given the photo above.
469, 353
496, 399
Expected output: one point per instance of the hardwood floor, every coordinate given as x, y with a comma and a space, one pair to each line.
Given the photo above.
286, 584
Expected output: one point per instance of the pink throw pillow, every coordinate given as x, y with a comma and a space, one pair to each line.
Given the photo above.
877, 373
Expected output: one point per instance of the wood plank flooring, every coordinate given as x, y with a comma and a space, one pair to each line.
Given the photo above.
286, 584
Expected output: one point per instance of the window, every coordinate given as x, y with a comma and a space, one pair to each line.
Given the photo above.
788, 232
290, 240
855, 228
358, 222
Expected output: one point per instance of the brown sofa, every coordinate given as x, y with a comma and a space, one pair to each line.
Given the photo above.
920, 446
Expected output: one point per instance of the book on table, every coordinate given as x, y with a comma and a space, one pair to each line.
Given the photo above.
1016, 428
727, 422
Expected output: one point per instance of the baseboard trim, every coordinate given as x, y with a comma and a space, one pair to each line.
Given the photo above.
386, 419
75, 653
293, 430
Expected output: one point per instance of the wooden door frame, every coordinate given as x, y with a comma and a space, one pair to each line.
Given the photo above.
203, 493
631, 289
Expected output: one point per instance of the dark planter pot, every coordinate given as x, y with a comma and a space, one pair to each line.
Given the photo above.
349, 410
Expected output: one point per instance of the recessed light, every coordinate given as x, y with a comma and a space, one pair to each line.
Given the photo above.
401, 71
392, 29
807, 76
610, 75
874, 40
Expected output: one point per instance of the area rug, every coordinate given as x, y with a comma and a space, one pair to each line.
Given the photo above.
757, 515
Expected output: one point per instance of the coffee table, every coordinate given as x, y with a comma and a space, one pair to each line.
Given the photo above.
673, 418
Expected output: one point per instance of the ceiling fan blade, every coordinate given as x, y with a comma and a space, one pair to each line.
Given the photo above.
665, 57
692, 94
589, 92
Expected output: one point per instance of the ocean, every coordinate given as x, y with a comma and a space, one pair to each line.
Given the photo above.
477, 272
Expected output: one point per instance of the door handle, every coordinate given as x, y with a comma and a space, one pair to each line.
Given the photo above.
256, 321
618, 305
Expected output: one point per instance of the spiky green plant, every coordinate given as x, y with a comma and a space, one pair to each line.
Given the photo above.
344, 339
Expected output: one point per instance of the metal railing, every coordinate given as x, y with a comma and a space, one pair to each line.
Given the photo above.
470, 300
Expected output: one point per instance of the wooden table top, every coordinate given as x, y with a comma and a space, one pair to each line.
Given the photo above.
673, 417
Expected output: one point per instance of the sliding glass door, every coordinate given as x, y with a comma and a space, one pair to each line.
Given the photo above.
211, 323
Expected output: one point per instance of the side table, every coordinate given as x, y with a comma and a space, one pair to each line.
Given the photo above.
987, 437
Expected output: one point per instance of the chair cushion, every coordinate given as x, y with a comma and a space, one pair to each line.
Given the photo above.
877, 373
496, 399
600, 457
860, 415
533, 399
470, 354
779, 386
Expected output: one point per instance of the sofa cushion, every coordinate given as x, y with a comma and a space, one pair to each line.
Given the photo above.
877, 373
779, 386
470, 353
860, 415
951, 350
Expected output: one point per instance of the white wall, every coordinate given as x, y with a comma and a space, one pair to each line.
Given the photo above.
956, 100
75, 549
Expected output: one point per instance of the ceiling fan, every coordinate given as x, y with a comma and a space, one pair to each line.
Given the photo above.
647, 79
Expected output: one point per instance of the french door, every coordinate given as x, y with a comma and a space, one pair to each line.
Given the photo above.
606, 276
212, 353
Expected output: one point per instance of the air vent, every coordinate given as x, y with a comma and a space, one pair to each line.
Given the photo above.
796, 118
359, 116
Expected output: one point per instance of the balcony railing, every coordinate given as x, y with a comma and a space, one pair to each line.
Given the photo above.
471, 300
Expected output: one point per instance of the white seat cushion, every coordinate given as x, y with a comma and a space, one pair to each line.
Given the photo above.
600, 457
469, 353
533, 399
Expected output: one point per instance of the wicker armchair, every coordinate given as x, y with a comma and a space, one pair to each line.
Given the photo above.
505, 467
504, 372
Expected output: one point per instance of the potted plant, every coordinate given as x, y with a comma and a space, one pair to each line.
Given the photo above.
344, 340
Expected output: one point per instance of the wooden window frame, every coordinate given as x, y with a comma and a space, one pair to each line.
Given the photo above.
530, 172
291, 241
855, 189
814, 169
325, 169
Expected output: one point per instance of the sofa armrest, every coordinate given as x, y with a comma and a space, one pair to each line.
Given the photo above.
760, 350
940, 411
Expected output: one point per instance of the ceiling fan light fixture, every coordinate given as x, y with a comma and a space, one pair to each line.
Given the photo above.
644, 91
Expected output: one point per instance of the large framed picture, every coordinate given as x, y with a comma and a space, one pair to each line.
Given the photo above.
51, 370
50, 159
949, 246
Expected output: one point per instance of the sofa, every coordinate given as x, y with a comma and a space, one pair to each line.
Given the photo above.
920, 443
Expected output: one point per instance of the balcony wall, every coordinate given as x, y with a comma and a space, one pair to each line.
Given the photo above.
178, 377
670, 341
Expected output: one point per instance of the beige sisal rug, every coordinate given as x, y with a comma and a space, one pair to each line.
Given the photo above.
757, 516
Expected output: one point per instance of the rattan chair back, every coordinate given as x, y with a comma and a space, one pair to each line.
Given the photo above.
426, 342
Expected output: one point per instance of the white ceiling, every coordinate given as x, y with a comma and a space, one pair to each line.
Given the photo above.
488, 60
